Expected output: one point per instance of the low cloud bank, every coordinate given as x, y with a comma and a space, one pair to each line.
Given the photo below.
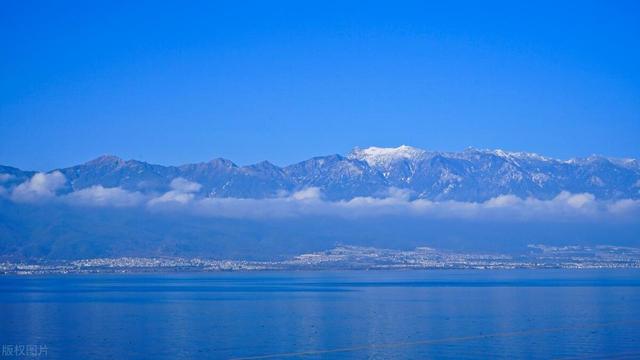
100, 196
309, 202
564, 206
40, 187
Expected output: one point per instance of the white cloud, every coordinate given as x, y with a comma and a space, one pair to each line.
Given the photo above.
502, 201
5, 177
172, 197
182, 193
565, 206
626, 206
311, 193
101, 196
309, 202
40, 186
577, 200
185, 186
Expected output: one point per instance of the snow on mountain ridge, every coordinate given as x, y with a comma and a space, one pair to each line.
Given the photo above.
510, 155
470, 175
380, 156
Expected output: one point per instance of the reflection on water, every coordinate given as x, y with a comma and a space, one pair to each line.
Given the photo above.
402, 314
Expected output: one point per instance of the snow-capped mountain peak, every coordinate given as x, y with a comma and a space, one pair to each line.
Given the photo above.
379, 156
472, 175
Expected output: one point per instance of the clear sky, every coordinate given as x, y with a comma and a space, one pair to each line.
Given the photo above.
173, 83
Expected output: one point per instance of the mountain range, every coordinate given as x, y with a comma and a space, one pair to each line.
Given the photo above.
470, 175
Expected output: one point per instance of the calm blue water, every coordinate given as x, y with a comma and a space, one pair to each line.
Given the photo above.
310, 315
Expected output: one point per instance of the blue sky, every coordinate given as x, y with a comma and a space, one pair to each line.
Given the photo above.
172, 83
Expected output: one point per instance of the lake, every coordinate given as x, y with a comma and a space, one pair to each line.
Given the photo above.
311, 315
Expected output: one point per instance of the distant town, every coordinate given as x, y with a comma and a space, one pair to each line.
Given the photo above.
353, 258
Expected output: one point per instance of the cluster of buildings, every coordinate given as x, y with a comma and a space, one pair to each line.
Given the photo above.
356, 257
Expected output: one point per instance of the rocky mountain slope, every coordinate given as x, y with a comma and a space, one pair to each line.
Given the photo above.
470, 175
